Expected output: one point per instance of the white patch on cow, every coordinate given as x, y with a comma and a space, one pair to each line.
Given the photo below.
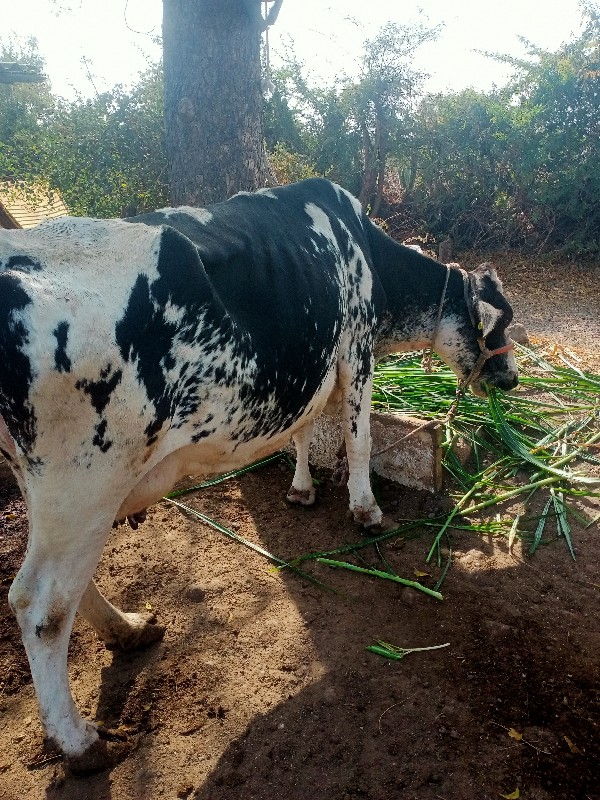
89, 268
267, 193
450, 343
488, 315
202, 215
353, 200
355, 377
322, 225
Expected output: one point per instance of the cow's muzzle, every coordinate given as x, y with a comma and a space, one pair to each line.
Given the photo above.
501, 379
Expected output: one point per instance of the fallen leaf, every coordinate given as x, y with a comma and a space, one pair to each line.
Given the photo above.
515, 735
573, 748
147, 707
420, 574
512, 796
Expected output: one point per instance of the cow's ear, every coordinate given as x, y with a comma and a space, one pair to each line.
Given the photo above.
484, 285
489, 317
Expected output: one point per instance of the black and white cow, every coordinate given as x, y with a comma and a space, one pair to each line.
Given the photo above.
193, 342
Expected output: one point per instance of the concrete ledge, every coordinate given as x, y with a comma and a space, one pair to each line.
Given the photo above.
414, 462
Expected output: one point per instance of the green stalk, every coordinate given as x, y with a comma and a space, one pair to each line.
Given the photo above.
395, 653
562, 524
449, 519
247, 543
508, 495
516, 445
378, 574
234, 473
365, 542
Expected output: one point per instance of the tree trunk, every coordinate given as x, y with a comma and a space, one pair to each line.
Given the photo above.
375, 156
369, 181
213, 99
382, 150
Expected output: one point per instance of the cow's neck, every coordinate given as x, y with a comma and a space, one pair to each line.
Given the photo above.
413, 286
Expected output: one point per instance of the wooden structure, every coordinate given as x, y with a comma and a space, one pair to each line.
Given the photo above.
26, 206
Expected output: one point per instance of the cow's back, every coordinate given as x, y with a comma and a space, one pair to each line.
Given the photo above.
278, 262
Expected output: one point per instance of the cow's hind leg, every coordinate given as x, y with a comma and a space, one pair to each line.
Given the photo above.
302, 490
126, 631
59, 564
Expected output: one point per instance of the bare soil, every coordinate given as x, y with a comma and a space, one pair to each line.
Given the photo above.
262, 688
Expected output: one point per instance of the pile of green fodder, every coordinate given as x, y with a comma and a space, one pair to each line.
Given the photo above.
540, 438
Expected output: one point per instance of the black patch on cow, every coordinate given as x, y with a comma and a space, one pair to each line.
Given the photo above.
197, 437
17, 375
23, 264
274, 302
100, 391
146, 335
61, 359
99, 441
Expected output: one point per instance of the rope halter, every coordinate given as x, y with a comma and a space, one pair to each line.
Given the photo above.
485, 353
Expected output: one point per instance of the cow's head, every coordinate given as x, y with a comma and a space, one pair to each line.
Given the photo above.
483, 352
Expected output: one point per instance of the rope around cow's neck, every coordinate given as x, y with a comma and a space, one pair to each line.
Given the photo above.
428, 352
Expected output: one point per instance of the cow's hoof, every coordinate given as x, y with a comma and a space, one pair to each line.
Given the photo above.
302, 497
143, 632
385, 525
368, 518
111, 747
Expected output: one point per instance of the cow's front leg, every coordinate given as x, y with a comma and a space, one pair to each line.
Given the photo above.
44, 596
356, 413
117, 628
302, 490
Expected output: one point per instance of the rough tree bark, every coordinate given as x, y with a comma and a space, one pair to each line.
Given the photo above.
375, 152
213, 99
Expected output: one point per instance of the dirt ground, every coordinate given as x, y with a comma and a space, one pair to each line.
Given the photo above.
262, 688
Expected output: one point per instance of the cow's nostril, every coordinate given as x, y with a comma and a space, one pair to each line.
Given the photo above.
509, 382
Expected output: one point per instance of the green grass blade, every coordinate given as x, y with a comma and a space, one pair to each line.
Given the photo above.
375, 573
537, 537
